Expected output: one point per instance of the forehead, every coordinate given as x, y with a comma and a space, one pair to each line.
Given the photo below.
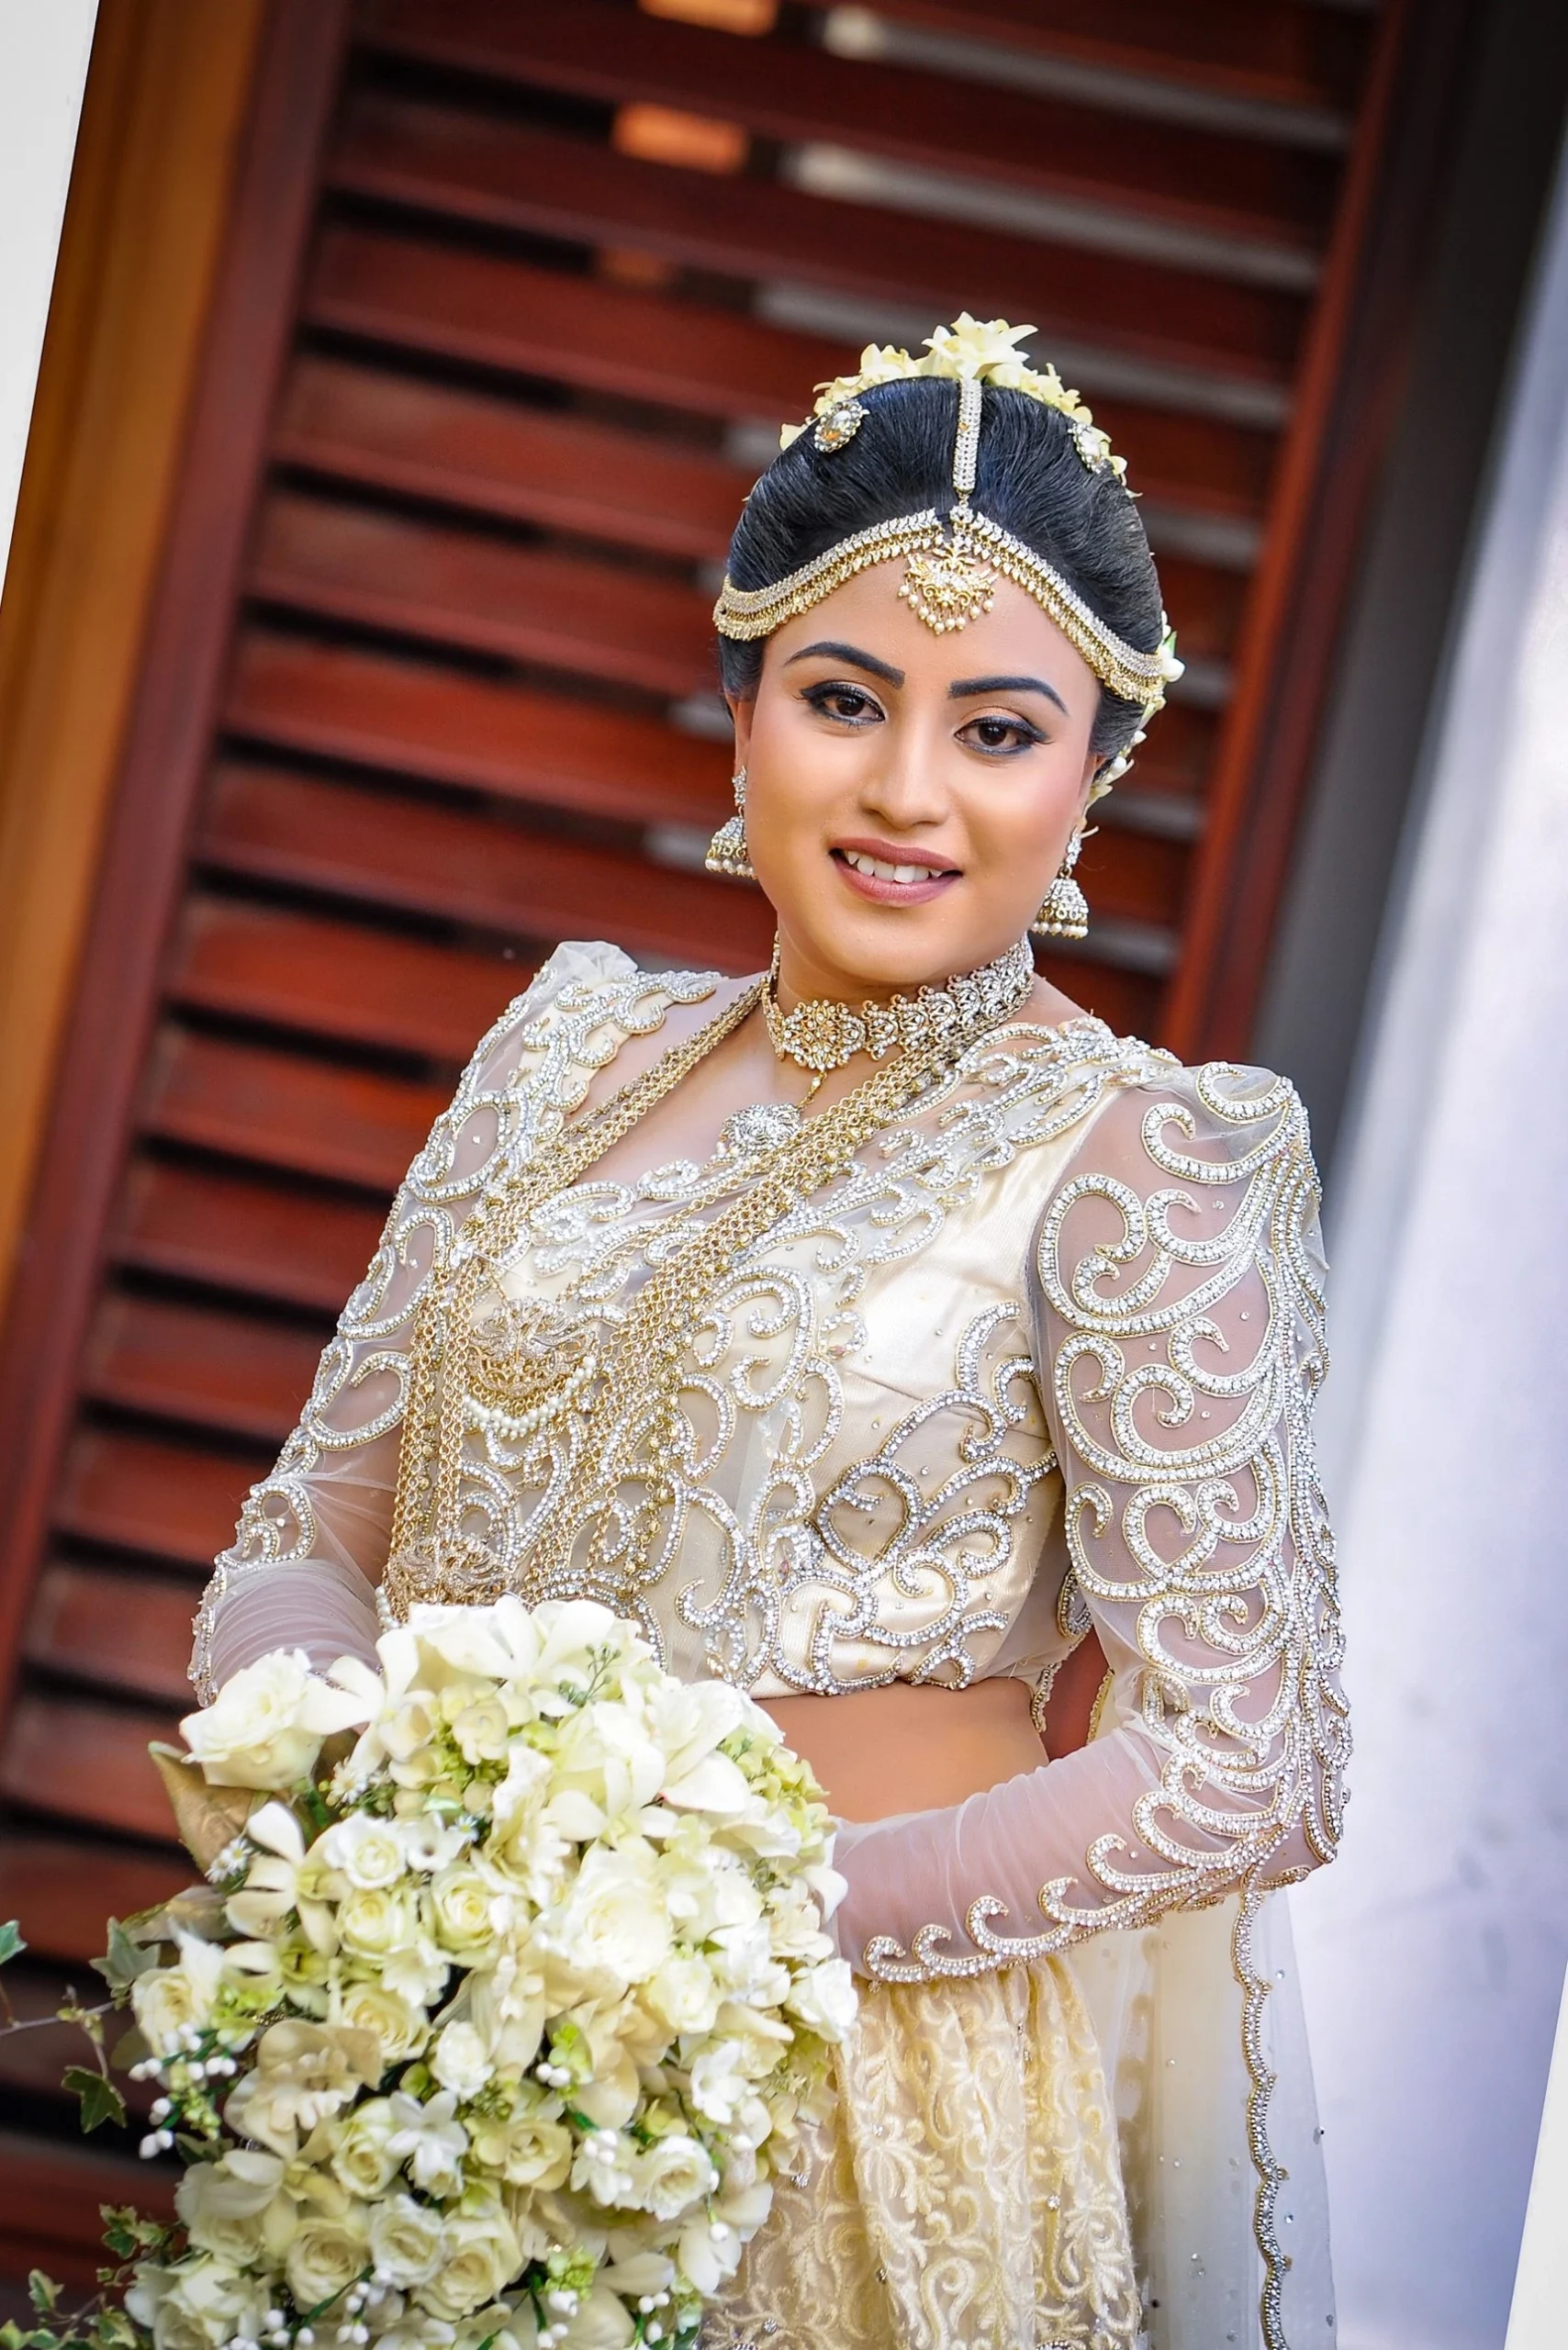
1015, 638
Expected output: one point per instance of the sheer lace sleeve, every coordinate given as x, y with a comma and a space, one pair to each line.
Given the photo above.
1179, 1313
311, 1541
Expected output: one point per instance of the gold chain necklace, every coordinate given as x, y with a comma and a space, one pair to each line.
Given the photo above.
629, 1431
821, 1035
429, 1459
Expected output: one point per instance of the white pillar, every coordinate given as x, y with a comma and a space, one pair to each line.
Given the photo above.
44, 46
1433, 1953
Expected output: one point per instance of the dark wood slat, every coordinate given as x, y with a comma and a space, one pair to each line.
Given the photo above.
435, 860
1231, 184
645, 346
163, 763
209, 1368
344, 1125
62, 1889
337, 979
361, 424
50, 2200
1136, 877
1205, 605
417, 718
175, 1502
499, 174
77, 1759
456, 587
391, 433
1296, 56
198, 1224
122, 1632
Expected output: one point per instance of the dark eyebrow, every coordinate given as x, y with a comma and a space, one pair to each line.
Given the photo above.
963, 688
852, 654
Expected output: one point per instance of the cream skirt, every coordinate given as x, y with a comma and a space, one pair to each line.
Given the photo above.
965, 2193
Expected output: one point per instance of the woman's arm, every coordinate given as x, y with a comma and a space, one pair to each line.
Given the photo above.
1178, 1302
312, 1538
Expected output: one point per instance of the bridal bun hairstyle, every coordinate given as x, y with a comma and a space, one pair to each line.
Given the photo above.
1031, 479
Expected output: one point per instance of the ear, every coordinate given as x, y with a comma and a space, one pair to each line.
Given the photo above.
740, 715
1092, 764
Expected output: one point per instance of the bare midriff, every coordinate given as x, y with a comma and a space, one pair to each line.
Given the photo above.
879, 1751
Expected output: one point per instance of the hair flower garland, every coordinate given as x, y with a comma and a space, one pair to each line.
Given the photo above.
981, 351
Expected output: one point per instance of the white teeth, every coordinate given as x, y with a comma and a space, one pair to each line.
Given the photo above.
883, 871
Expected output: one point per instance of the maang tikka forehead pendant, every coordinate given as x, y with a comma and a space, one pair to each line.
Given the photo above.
946, 587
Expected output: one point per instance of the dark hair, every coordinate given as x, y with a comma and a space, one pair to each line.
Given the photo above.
1030, 479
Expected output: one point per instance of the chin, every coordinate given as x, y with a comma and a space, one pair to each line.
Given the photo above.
897, 949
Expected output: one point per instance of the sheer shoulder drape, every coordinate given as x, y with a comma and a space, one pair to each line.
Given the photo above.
1177, 1291
311, 1542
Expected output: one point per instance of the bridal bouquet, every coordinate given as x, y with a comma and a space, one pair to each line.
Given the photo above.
497, 2031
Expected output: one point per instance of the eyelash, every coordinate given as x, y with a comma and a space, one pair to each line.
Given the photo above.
821, 697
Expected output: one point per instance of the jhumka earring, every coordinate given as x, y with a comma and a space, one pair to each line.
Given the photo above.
727, 850
1065, 913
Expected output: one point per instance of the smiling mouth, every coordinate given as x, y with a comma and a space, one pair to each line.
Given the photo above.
877, 868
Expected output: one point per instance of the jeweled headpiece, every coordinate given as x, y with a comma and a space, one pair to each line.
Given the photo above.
952, 564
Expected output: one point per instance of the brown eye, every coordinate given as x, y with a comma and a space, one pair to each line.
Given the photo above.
849, 703
1001, 737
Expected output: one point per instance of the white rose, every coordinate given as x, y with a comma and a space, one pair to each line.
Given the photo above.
672, 2174
378, 1920
461, 2061
304, 2073
480, 1728
530, 2150
196, 2305
400, 2028
479, 2256
406, 2240
360, 2157
459, 1906
172, 2002
825, 1999
683, 1994
265, 1726
327, 2256
613, 1919
371, 1853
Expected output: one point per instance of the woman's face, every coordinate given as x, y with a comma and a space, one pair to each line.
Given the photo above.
908, 795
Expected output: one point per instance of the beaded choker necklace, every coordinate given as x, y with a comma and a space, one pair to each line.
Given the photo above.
821, 1035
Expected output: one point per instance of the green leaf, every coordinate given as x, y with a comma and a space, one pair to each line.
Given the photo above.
123, 1962
42, 2292
11, 1943
101, 2101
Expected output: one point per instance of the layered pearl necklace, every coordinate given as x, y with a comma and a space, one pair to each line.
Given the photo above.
821, 1035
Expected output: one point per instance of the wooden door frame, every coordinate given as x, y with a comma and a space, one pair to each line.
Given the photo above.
1347, 398
162, 771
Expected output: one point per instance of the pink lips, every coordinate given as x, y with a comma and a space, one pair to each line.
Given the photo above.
888, 893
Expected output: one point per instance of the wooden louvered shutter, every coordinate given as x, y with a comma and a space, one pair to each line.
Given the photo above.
515, 295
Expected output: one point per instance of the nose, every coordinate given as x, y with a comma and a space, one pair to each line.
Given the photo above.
904, 786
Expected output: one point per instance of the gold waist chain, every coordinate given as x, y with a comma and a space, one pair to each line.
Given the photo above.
635, 1400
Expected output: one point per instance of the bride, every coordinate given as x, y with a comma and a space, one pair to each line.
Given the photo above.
877, 1332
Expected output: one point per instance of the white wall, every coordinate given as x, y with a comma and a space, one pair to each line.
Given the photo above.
1433, 1953
43, 68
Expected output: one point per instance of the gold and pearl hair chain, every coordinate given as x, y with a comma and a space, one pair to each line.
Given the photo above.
952, 565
